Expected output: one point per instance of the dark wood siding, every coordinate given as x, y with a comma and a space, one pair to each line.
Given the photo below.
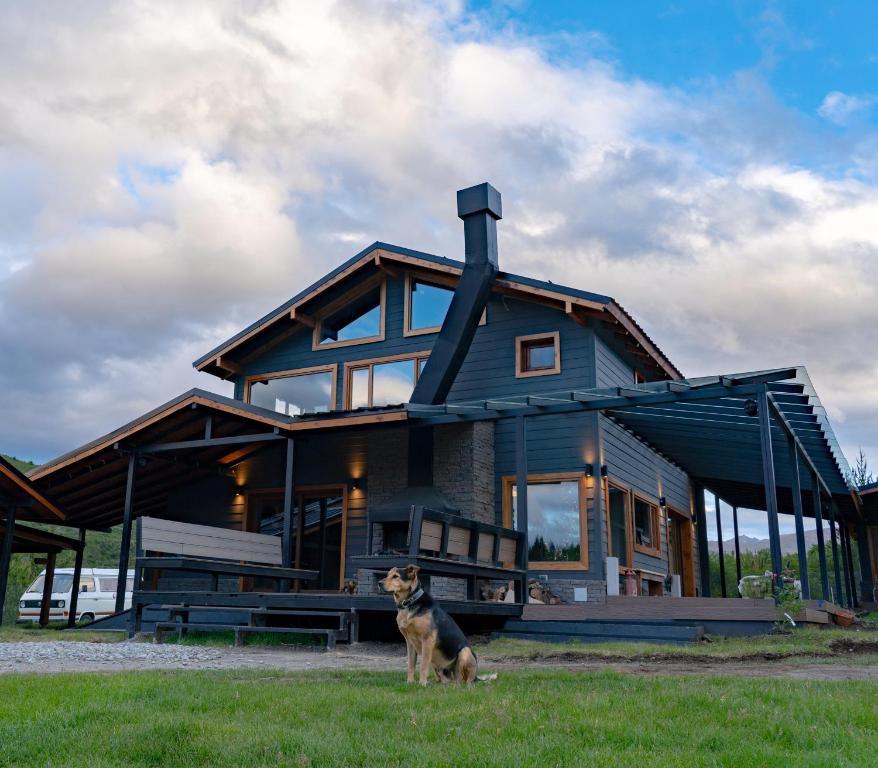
635, 464
611, 369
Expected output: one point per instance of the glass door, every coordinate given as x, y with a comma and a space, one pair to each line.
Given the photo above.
619, 528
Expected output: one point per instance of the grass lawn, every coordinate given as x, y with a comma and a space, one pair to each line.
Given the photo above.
540, 718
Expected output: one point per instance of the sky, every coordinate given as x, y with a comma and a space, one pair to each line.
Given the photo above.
170, 172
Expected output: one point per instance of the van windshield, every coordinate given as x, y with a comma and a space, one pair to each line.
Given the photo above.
62, 583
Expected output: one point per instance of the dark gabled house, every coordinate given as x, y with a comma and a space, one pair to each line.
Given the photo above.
402, 382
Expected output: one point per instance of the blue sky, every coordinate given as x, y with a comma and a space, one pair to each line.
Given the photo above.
713, 166
803, 50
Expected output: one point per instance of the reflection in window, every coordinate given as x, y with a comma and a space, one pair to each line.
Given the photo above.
553, 521
294, 395
429, 305
376, 383
358, 319
617, 504
645, 516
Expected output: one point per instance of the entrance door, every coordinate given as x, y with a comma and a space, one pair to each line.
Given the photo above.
680, 551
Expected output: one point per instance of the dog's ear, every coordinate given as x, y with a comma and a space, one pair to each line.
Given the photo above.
411, 571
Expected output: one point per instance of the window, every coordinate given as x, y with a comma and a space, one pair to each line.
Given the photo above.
63, 582
537, 355
383, 381
354, 319
557, 534
109, 583
86, 584
427, 303
617, 514
293, 393
646, 527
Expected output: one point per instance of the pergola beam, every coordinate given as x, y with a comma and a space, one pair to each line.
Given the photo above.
212, 442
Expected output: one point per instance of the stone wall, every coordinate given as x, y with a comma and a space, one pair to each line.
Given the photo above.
463, 467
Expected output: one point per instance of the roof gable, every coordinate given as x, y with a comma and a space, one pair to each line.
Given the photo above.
577, 303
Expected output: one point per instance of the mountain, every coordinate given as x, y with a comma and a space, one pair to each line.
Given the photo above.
20, 464
751, 544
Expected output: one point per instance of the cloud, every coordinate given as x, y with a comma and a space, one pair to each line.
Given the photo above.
171, 172
839, 108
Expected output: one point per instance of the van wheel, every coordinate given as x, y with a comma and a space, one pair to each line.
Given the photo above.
86, 618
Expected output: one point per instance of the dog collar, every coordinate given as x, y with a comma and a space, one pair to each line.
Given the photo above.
412, 598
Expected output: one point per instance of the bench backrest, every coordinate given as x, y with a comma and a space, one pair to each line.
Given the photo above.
172, 537
445, 535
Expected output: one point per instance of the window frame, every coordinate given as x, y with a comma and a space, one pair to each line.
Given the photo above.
381, 283
521, 357
439, 281
629, 521
370, 363
331, 368
655, 523
509, 482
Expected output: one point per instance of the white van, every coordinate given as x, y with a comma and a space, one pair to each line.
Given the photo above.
97, 595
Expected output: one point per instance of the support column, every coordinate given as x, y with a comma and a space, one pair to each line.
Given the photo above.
796, 491
866, 583
770, 486
600, 552
821, 546
289, 502
849, 565
77, 574
48, 582
322, 536
737, 545
520, 520
6, 557
721, 550
125, 546
836, 565
521, 474
701, 531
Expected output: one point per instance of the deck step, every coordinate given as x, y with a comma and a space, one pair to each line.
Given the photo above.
332, 635
603, 631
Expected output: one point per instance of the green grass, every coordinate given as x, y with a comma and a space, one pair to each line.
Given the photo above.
539, 718
825, 644
26, 633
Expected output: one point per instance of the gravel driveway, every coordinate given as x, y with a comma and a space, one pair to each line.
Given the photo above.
69, 656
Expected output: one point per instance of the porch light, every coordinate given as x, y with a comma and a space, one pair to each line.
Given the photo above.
750, 407
603, 470
589, 470
355, 484
663, 502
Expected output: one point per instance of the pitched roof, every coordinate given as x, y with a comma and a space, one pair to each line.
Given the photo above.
604, 306
20, 490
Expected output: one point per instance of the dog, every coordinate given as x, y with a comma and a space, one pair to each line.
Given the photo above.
429, 632
350, 587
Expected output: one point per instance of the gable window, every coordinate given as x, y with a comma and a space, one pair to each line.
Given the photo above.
308, 390
557, 529
646, 527
427, 303
538, 354
354, 319
383, 381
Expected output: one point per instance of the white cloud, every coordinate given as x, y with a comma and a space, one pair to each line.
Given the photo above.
171, 172
839, 108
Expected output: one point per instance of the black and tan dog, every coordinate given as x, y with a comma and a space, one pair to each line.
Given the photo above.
429, 632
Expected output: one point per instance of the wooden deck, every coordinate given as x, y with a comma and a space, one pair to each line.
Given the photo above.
683, 609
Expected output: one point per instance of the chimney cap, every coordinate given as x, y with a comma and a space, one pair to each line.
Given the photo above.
478, 199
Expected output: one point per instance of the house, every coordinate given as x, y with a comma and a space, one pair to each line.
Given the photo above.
405, 381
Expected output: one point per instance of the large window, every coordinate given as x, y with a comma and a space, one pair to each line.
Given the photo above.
294, 393
647, 531
384, 381
427, 303
557, 534
538, 354
354, 319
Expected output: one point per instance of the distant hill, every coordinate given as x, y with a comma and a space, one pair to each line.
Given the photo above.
751, 544
19, 464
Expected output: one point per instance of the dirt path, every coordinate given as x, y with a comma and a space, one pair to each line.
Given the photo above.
66, 656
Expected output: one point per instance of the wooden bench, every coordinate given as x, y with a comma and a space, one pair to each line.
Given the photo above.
443, 544
206, 549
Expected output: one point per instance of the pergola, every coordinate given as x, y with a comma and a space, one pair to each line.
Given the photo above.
759, 440
21, 500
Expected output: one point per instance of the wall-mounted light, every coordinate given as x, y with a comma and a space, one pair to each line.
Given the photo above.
603, 470
589, 470
355, 483
663, 502
750, 407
